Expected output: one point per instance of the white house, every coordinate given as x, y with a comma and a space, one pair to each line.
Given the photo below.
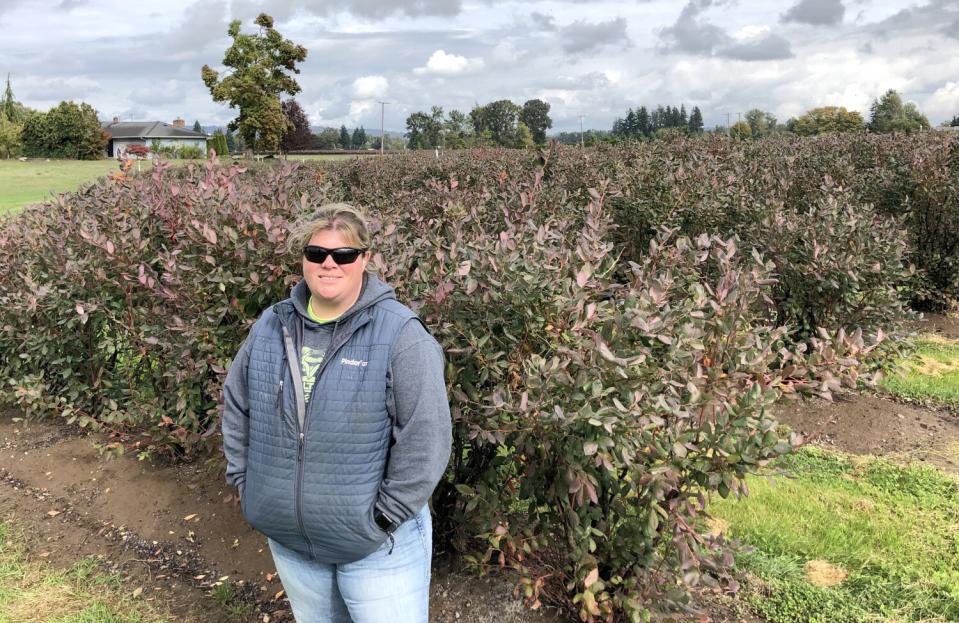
126, 133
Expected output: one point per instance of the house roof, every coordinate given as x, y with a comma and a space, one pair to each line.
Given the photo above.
149, 129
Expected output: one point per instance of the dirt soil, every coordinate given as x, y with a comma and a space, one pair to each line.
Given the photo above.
177, 531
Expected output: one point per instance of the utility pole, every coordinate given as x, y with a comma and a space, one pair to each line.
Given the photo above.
382, 126
581, 142
727, 125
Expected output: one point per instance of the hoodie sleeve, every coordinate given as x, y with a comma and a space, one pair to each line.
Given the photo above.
422, 431
235, 422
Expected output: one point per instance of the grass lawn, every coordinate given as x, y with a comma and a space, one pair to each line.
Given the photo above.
931, 374
24, 183
34, 592
848, 540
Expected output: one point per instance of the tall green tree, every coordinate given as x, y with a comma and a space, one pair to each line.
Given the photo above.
761, 123
298, 134
535, 115
359, 138
425, 130
827, 119
955, 121
695, 125
345, 140
68, 130
499, 119
260, 65
890, 114
197, 127
10, 107
643, 121
457, 131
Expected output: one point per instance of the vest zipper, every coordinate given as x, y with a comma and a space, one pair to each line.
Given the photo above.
298, 481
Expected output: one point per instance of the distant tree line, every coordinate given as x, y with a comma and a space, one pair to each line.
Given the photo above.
502, 123
642, 123
68, 130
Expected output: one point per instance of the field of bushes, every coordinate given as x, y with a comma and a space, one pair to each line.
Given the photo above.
617, 322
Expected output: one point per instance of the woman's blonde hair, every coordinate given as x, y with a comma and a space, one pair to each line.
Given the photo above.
341, 217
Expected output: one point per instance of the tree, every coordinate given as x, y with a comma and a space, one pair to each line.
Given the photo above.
68, 130
10, 107
457, 131
955, 121
197, 127
298, 134
137, 150
643, 122
761, 123
740, 129
695, 125
10, 143
261, 64
535, 115
218, 143
522, 137
889, 114
344, 142
359, 138
329, 138
827, 119
425, 131
499, 119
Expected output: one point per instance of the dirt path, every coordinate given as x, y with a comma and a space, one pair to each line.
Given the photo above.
177, 531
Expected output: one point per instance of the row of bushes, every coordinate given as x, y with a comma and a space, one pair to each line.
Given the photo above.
616, 322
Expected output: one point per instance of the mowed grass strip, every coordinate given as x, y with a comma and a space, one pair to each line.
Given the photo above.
33, 592
930, 374
847, 539
24, 183
33, 181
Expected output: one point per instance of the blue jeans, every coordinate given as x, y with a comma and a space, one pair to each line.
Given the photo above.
382, 587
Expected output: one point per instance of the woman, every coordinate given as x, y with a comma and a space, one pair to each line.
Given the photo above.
336, 430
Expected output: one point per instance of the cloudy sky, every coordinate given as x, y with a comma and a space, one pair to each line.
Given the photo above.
141, 60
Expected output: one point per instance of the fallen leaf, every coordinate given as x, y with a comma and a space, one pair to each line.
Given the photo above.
270, 576
44, 554
137, 592
199, 577
189, 517
279, 595
53, 513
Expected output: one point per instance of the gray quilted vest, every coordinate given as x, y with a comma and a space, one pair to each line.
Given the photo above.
313, 490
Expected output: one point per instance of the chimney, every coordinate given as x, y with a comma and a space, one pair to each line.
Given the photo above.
179, 123
116, 120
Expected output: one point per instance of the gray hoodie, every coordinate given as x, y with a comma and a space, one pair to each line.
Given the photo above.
416, 402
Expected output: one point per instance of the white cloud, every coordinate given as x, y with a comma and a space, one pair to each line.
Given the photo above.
442, 64
370, 87
943, 103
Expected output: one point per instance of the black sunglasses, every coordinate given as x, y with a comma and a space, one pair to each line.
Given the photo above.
343, 255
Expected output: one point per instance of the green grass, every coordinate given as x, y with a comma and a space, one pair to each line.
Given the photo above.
930, 374
25, 183
34, 592
893, 529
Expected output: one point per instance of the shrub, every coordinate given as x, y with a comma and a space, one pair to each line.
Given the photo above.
612, 320
190, 152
